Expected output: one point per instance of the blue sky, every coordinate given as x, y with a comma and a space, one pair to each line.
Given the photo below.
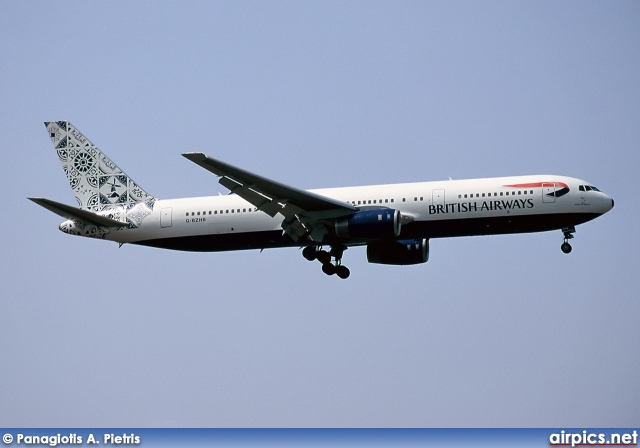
492, 331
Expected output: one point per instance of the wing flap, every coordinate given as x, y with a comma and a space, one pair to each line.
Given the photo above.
76, 214
259, 200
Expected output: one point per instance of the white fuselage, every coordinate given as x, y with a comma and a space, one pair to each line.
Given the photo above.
428, 210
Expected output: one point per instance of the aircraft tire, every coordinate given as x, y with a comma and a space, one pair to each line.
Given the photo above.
310, 253
566, 248
342, 272
328, 269
323, 257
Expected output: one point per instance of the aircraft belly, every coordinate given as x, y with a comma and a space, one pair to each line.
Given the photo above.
222, 242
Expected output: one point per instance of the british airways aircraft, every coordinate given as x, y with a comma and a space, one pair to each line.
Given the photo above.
394, 222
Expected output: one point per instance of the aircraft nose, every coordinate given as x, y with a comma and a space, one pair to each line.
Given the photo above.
608, 203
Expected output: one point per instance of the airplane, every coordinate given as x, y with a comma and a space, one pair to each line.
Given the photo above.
395, 222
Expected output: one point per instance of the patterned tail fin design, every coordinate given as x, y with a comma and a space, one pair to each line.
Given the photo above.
97, 182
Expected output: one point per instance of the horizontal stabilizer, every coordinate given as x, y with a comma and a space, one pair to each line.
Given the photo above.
76, 214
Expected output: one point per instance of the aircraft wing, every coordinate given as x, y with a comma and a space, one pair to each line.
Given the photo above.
303, 211
69, 212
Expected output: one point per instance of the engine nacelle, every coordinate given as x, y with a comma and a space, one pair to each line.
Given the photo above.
400, 252
381, 223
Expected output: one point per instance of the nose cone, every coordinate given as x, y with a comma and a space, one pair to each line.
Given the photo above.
607, 203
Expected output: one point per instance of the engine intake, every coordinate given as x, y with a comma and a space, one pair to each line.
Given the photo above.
401, 252
381, 223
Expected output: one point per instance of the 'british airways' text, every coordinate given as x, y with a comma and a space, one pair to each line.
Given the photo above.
466, 207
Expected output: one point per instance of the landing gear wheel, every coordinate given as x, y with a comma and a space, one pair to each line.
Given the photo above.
323, 257
328, 269
568, 234
342, 272
310, 253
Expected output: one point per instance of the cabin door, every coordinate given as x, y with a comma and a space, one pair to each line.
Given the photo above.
165, 217
548, 192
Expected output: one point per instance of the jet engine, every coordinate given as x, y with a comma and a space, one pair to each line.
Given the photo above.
381, 223
401, 252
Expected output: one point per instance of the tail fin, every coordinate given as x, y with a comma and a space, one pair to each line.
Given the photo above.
96, 181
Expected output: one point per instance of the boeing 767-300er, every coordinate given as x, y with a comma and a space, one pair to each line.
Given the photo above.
395, 221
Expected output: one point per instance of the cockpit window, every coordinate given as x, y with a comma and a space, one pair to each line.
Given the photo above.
594, 188
581, 188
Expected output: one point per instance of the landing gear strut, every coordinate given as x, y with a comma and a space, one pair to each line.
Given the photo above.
314, 253
568, 234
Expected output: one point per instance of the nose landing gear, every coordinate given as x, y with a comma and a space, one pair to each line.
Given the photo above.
315, 253
568, 234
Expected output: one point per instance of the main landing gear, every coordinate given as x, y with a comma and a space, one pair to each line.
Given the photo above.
568, 234
314, 253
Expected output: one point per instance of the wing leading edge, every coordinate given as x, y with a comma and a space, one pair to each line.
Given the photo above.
304, 212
